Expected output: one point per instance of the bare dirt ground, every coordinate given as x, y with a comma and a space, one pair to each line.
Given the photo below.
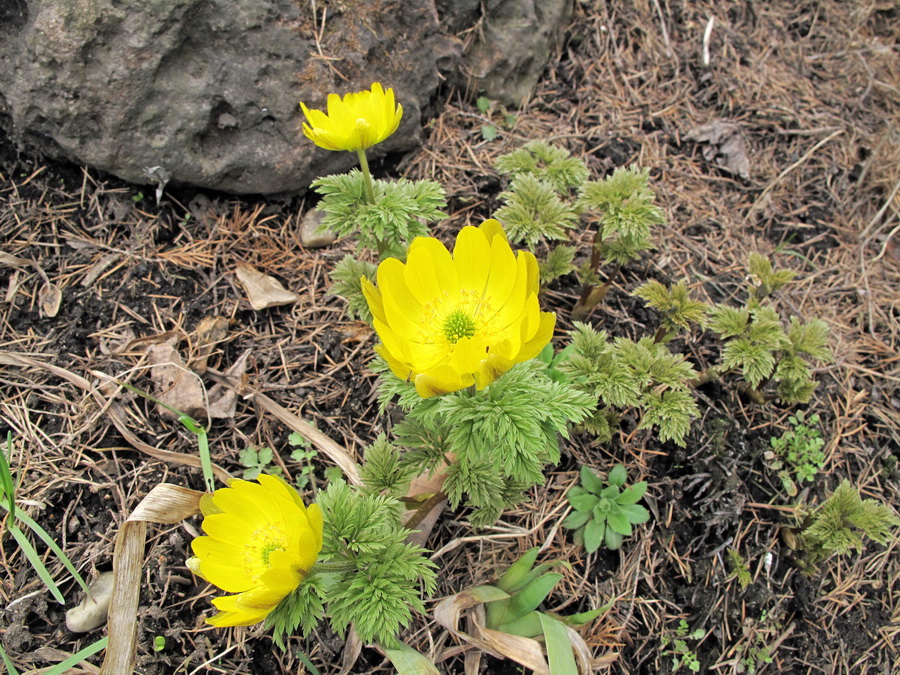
814, 89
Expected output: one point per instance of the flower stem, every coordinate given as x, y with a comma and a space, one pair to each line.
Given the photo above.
364, 165
330, 567
424, 510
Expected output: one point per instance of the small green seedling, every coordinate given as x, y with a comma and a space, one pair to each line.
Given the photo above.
797, 454
604, 514
159, 643
677, 647
257, 461
303, 452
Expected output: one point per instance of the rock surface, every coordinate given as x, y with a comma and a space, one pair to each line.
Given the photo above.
206, 92
514, 46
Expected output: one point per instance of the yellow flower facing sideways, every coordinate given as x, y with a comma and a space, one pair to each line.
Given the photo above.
355, 122
450, 321
261, 543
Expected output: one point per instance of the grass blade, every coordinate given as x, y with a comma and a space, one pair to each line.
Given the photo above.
35, 561
64, 666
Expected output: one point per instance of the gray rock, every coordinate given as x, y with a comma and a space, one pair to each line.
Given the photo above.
310, 236
208, 90
91, 612
514, 46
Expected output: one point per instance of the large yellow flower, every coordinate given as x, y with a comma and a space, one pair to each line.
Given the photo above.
449, 322
355, 122
262, 542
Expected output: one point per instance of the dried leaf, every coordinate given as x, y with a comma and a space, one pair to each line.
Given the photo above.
223, 399
211, 331
99, 268
10, 260
165, 504
262, 290
726, 146
175, 385
50, 298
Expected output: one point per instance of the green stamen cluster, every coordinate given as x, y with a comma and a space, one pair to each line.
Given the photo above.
457, 326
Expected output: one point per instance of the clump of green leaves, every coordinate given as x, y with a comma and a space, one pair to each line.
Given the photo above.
302, 452
603, 513
501, 438
677, 647
678, 309
626, 214
622, 374
511, 606
843, 520
757, 344
548, 163
401, 211
346, 282
797, 454
559, 262
256, 461
740, 570
383, 471
534, 211
369, 576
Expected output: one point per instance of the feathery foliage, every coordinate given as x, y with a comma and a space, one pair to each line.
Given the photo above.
623, 373
559, 262
533, 212
400, 213
375, 576
501, 437
302, 609
546, 162
766, 279
626, 213
382, 470
756, 341
345, 282
675, 304
842, 521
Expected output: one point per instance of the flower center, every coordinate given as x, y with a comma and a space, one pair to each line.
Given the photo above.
262, 543
362, 123
458, 325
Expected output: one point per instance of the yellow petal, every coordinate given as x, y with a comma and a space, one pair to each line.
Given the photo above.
402, 310
541, 337
401, 369
470, 255
466, 355
423, 274
502, 276
314, 517
492, 228
373, 299
441, 380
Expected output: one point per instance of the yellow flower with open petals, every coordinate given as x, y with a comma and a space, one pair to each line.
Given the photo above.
262, 542
355, 122
448, 322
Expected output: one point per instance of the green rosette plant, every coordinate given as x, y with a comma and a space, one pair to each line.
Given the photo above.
604, 513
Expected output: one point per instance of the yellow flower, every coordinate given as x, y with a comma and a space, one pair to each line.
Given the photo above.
262, 542
449, 322
354, 123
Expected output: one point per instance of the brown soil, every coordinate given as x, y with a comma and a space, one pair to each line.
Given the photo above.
815, 89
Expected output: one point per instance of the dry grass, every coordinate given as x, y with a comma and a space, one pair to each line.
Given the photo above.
815, 89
